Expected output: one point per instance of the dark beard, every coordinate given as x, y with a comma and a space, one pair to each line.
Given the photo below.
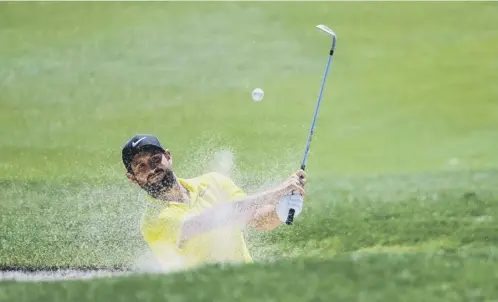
166, 183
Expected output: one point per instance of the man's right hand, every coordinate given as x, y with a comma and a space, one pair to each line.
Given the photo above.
293, 185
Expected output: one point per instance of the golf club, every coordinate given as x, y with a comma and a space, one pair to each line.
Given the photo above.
290, 216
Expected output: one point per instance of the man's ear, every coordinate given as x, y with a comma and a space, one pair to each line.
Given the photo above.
168, 156
131, 177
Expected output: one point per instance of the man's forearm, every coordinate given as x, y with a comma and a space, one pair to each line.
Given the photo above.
237, 213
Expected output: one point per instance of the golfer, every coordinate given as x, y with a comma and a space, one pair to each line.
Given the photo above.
196, 221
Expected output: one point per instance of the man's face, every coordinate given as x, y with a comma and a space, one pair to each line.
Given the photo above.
152, 172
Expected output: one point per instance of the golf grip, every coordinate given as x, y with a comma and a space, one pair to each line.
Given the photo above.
290, 216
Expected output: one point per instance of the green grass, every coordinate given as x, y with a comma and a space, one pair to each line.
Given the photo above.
377, 277
92, 226
402, 172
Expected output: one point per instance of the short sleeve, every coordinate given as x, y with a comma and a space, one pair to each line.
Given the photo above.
228, 186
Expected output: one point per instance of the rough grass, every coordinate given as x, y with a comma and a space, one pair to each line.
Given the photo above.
354, 277
98, 226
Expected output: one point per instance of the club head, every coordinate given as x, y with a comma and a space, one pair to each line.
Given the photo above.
326, 29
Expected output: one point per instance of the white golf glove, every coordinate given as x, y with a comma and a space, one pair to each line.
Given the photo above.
289, 202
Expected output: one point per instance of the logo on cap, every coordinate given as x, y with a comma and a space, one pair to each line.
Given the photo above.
134, 144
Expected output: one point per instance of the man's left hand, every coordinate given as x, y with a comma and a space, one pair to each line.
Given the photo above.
294, 201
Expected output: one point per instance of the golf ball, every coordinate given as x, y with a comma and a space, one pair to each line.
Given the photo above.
257, 94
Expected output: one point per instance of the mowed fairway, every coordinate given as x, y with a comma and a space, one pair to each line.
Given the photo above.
402, 176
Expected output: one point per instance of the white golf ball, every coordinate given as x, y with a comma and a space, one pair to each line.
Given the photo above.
257, 94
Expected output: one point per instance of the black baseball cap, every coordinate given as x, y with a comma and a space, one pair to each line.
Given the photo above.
140, 142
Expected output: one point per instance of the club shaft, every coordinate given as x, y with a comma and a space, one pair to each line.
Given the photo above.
315, 115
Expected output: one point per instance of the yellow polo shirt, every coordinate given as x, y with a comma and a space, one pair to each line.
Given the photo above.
161, 222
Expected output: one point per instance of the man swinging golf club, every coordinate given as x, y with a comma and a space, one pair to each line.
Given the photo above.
189, 222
